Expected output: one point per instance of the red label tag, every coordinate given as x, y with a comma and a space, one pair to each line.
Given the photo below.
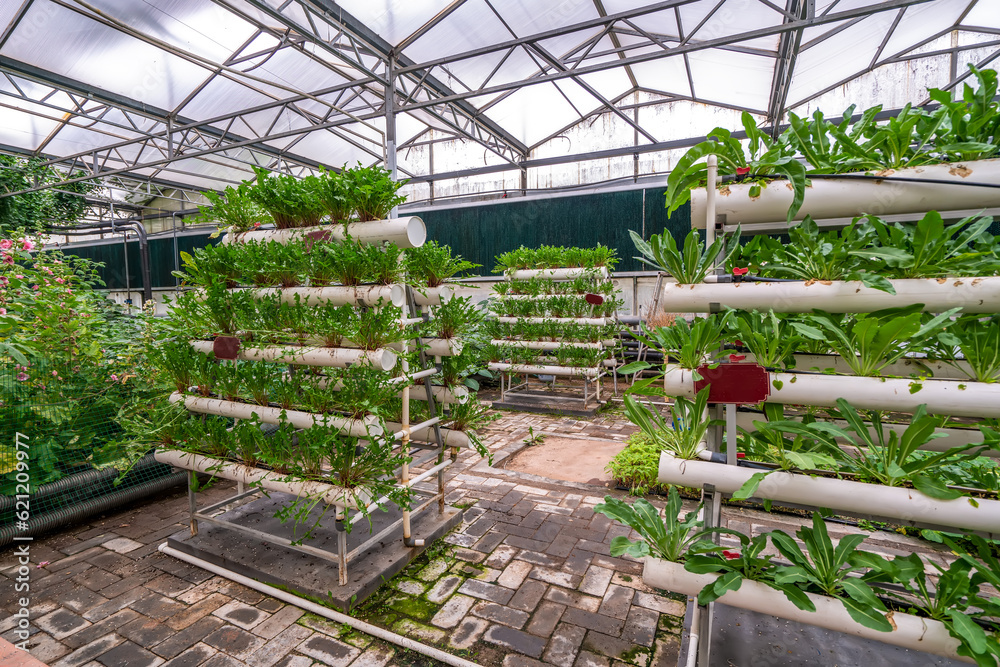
735, 383
594, 299
226, 347
318, 236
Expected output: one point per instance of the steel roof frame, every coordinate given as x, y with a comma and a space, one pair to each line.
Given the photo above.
361, 56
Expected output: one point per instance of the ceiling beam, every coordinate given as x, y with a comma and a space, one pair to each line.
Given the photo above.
887, 5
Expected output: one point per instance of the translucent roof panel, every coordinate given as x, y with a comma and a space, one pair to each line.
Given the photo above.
103, 57
304, 81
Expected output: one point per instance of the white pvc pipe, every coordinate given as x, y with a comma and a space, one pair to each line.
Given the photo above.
432, 296
948, 397
544, 370
408, 232
711, 197
443, 395
451, 437
362, 428
557, 274
326, 612
912, 632
902, 368
846, 198
338, 295
903, 504
535, 297
954, 437
974, 295
582, 321
546, 344
443, 347
338, 357
267, 479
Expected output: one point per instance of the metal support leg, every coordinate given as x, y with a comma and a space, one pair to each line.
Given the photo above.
731, 436
713, 503
192, 508
342, 551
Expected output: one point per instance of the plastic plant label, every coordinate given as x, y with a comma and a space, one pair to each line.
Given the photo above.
734, 383
226, 347
594, 299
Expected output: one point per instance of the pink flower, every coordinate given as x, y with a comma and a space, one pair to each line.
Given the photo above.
27, 245
60, 280
114, 378
69, 291
8, 258
19, 276
3, 311
6, 244
731, 555
36, 288
55, 374
21, 377
737, 271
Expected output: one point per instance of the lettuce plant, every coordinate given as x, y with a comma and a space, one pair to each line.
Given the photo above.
671, 539
432, 263
688, 266
371, 192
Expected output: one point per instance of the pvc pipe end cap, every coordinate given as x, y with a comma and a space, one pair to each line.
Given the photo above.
445, 293
388, 360
397, 295
416, 232
457, 346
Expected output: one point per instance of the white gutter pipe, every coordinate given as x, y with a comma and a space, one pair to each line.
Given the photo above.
270, 480
361, 428
557, 274
326, 612
847, 198
954, 437
546, 344
948, 397
432, 296
569, 371
450, 437
443, 395
582, 321
958, 369
904, 504
338, 357
337, 295
974, 295
408, 232
912, 632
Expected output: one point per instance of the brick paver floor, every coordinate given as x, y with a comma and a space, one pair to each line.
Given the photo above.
526, 580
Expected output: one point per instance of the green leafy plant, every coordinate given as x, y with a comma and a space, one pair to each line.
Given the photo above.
827, 568
234, 209
690, 345
770, 339
371, 191
868, 342
686, 437
978, 340
637, 466
432, 264
883, 455
290, 201
671, 539
764, 161
688, 266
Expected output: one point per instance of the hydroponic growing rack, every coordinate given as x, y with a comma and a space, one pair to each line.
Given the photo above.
424, 444
517, 389
944, 392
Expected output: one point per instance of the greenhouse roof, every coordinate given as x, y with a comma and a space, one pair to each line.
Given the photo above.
191, 93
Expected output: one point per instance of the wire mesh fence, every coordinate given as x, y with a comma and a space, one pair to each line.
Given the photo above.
61, 460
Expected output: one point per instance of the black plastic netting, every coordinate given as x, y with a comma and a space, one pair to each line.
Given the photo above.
66, 456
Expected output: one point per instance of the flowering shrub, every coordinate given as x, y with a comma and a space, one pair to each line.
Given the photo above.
67, 359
